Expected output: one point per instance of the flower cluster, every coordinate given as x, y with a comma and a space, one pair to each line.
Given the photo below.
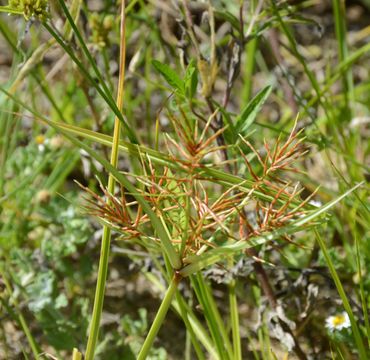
101, 27
38, 9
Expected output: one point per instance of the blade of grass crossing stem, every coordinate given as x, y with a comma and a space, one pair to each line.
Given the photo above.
105, 244
159, 318
159, 227
108, 99
38, 54
156, 222
200, 332
85, 49
137, 150
343, 296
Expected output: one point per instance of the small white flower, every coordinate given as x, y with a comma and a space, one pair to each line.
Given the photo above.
338, 322
41, 142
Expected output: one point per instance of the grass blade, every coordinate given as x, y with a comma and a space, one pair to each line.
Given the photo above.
343, 296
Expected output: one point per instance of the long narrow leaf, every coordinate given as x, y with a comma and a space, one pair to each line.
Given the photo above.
170, 76
249, 113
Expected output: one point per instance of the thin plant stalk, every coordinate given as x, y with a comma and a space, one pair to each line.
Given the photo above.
250, 55
190, 332
159, 318
214, 317
76, 355
284, 26
22, 321
343, 296
86, 50
107, 97
362, 292
234, 315
157, 223
190, 320
340, 31
105, 245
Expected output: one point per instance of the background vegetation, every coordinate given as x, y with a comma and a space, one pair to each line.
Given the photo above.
241, 151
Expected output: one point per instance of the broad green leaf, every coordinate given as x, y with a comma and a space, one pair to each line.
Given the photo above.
170, 76
249, 113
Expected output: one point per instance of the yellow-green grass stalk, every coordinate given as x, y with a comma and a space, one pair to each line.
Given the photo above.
159, 318
105, 244
234, 318
339, 9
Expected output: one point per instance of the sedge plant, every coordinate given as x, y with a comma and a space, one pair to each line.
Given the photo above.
205, 196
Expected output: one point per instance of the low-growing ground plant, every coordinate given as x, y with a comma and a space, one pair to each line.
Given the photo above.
183, 180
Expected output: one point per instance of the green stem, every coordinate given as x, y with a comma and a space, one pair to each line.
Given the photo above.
340, 32
130, 134
362, 292
157, 223
190, 332
105, 245
85, 49
19, 316
31, 340
76, 355
213, 317
250, 51
161, 314
342, 294
191, 321
234, 314
10, 10
285, 27
99, 294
